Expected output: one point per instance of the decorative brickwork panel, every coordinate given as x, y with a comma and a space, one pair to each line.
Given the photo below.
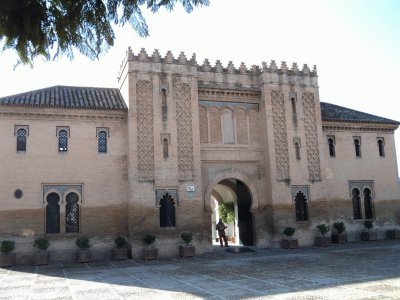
203, 124
241, 126
184, 130
254, 126
310, 126
215, 125
145, 132
280, 135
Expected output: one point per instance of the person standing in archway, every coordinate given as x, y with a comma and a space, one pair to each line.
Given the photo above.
221, 232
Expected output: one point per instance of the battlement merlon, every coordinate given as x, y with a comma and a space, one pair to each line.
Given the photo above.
182, 60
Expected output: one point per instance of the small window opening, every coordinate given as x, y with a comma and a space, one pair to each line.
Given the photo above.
165, 148
297, 149
356, 204
331, 144
368, 204
381, 148
301, 207
164, 102
167, 211
357, 147
21, 140
102, 142
62, 141
294, 111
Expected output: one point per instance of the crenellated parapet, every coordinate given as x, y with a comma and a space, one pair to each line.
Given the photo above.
206, 66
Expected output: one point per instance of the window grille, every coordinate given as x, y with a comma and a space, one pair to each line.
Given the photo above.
356, 204
21, 140
167, 211
301, 207
102, 137
53, 213
62, 141
72, 213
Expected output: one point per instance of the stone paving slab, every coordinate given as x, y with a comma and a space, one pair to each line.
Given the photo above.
365, 271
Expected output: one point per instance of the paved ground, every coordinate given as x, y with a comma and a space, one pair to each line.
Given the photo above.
368, 270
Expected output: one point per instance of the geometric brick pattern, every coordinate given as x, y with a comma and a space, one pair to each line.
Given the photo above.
310, 126
203, 124
182, 93
145, 132
280, 135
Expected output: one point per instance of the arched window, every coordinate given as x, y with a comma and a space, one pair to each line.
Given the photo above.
301, 207
381, 147
165, 148
167, 211
356, 204
53, 213
357, 147
297, 149
21, 139
294, 111
368, 204
62, 141
72, 213
331, 145
102, 142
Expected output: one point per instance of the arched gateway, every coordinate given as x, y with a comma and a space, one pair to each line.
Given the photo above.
233, 192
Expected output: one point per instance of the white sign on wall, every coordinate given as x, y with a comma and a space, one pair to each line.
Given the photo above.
190, 188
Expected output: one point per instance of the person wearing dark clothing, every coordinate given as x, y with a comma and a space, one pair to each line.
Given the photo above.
221, 232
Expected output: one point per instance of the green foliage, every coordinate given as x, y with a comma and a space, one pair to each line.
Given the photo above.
187, 237
289, 231
82, 242
149, 239
43, 27
7, 246
368, 224
339, 226
323, 229
120, 242
42, 243
227, 212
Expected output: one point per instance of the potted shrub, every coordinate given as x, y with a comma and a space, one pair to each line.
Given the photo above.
289, 242
42, 257
150, 252
393, 234
322, 240
7, 258
339, 236
187, 250
83, 254
368, 234
120, 251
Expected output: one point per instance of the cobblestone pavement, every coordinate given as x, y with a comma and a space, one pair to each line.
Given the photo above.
369, 270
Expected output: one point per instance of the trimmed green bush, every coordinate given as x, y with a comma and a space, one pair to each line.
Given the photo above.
42, 243
323, 229
82, 242
7, 246
368, 224
187, 237
339, 226
289, 231
149, 239
120, 242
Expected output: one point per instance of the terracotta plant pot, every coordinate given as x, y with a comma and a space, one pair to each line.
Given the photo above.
369, 236
339, 238
393, 234
7, 260
186, 251
322, 241
150, 253
119, 253
290, 243
42, 258
83, 256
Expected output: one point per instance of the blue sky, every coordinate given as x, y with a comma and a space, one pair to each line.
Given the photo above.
354, 43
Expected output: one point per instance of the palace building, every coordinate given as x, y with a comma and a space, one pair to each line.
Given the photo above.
177, 140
